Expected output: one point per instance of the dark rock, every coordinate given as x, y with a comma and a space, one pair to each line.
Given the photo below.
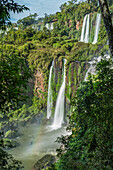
45, 162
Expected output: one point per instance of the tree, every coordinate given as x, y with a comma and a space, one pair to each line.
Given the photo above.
27, 21
110, 2
95, 2
107, 22
14, 75
5, 7
7, 162
90, 145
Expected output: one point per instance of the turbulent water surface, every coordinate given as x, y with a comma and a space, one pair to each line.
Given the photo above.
35, 142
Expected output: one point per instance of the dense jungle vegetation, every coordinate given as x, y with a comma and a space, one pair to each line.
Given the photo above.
25, 50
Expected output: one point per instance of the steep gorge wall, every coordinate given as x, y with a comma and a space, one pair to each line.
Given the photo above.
75, 73
39, 83
78, 70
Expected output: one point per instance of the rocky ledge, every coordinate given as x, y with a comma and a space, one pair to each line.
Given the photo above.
45, 162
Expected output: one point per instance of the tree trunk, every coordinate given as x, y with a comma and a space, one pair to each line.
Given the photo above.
107, 22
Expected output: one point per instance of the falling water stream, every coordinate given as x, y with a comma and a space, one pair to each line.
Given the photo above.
97, 28
83, 29
86, 30
92, 67
90, 70
86, 40
37, 139
59, 108
50, 97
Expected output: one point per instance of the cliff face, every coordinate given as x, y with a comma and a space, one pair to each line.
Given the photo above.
57, 72
39, 83
78, 25
75, 73
77, 54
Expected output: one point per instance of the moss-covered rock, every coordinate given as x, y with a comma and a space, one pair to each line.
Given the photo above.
45, 162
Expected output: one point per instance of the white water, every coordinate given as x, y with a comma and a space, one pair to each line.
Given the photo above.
93, 63
59, 109
86, 40
47, 26
97, 28
51, 28
37, 140
83, 29
50, 98
90, 70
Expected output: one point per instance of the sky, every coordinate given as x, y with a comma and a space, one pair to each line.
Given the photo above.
38, 6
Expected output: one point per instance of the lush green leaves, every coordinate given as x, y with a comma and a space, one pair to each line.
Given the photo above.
90, 145
5, 7
14, 75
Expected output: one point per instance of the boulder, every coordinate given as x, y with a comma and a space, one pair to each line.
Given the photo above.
45, 162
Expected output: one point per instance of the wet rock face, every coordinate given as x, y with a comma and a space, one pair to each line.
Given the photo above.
45, 162
39, 82
78, 25
76, 75
58, 71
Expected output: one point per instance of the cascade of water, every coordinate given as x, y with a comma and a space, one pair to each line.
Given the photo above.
83, 29
90, 70
97, 27
93, 63
51, 26
59, 109
86, 39
47, 26
50, 99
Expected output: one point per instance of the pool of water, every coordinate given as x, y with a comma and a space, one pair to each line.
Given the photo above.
35, 142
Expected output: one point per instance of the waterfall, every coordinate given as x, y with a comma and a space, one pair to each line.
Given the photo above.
83, 29
86, 29
47, 26
51, 28
50, 99
90, 70
59, 109
97, 27
86, 40
93, 63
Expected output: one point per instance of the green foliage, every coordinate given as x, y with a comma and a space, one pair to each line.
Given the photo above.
67, 46
9, 134
90, 145
27, 21
42, 35
82, 51
102, 37
39, 103
83, 9
48, 18
8, 162
5, 8
110, 2
27, 48
69, 90
14, 75
18, 37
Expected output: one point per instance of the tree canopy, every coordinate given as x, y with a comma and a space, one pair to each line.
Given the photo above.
5, 7
29, 20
